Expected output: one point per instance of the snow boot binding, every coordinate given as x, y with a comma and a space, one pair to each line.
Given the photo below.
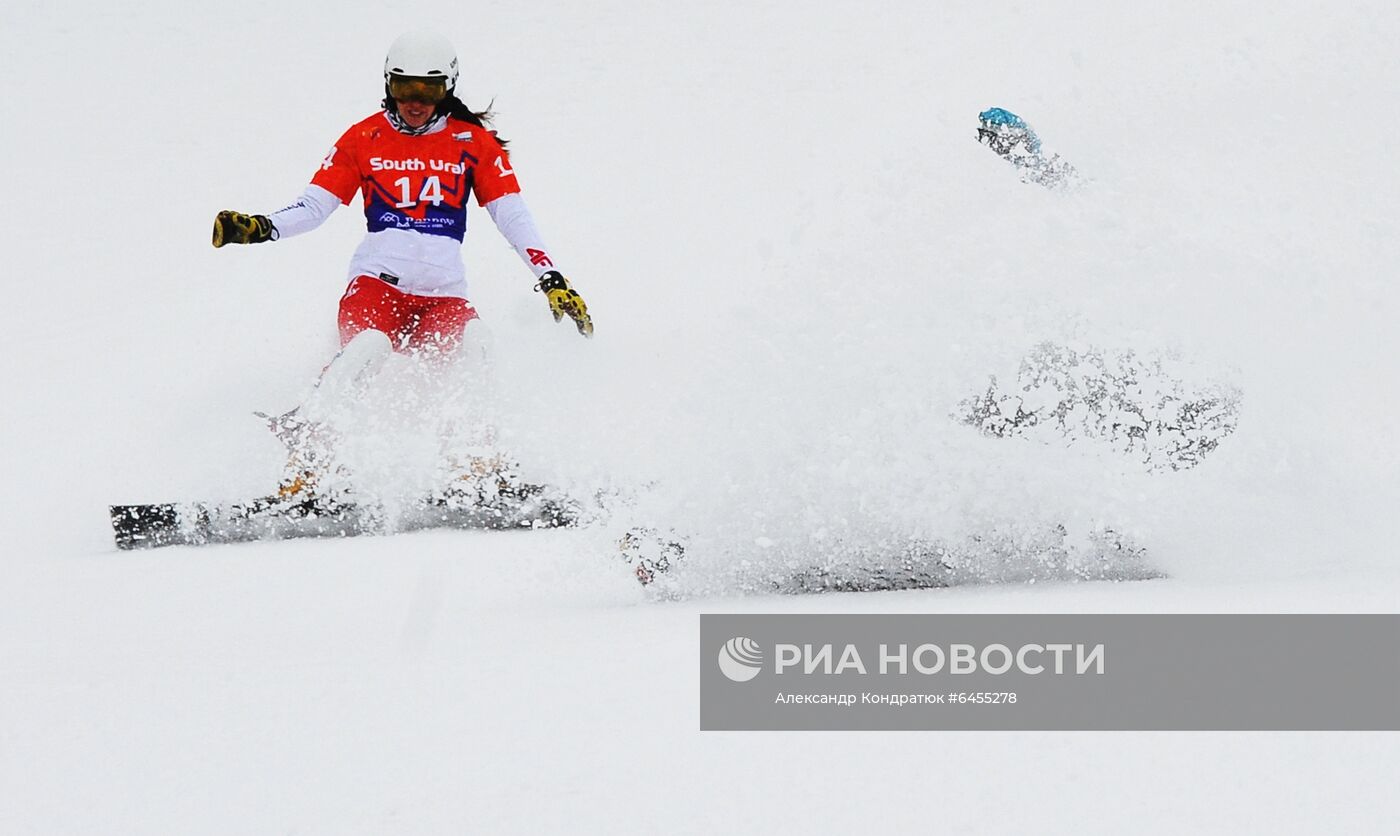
306, 476
490, 487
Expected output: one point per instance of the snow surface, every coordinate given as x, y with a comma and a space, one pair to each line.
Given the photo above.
798, 261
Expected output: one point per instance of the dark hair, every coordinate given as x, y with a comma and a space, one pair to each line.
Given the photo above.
455, 108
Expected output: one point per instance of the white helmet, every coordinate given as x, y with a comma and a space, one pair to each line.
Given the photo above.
422, 55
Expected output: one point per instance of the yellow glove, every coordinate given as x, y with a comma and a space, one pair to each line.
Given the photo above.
565, 301
238, 228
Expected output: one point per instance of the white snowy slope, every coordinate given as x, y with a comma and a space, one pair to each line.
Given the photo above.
799, 262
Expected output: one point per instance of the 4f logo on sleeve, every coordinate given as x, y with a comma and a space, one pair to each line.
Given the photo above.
329, 160
539, 258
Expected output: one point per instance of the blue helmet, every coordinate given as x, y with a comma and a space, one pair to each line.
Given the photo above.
1001, 127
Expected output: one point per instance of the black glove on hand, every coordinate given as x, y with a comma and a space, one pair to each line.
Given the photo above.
565, 301
238, 228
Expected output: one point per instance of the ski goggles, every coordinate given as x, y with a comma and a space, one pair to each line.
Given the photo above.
405, 88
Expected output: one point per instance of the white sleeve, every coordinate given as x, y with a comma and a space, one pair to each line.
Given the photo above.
306, 212
515, 222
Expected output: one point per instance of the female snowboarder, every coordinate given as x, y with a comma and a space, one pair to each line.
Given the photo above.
415, 162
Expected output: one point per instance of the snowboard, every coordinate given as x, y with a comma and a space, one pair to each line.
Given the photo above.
283, 518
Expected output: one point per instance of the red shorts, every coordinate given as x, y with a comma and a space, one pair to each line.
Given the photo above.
413, 323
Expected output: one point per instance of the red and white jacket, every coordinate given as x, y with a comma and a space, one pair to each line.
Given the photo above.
415, 190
